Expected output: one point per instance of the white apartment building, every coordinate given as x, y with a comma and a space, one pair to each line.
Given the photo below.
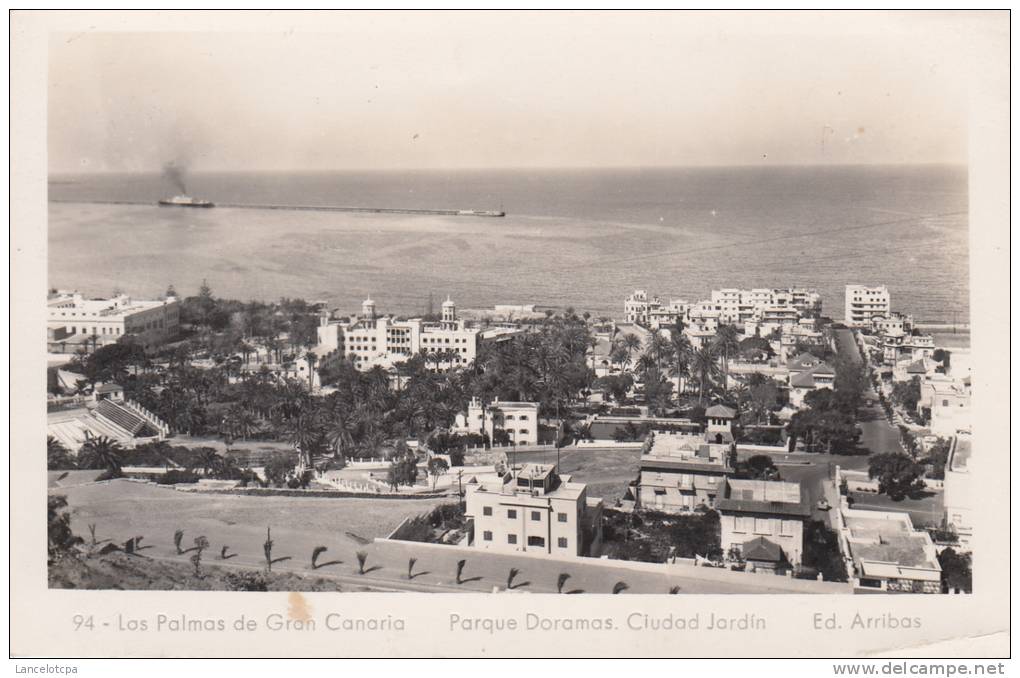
897, 346
372, 340
640, 309
737, 306
535, 510
895, 323
761, 515
519, 420
863, 303
949, 403
69, 314
637, 306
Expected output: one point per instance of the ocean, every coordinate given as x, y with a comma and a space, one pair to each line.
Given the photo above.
581, 238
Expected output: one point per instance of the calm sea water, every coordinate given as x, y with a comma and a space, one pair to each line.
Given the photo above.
579, 238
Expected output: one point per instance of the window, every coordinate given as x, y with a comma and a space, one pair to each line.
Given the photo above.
536, 515
562, 542
741, 524
786, 528
762, 526
511, 539
487, 535
536, 541
524, 431
562, 517
486, 510
511, 513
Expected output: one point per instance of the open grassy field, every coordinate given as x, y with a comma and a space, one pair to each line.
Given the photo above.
607, 471
122, 509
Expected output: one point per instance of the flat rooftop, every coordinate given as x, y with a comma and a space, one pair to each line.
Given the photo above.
762, 496
765, 490
886, 544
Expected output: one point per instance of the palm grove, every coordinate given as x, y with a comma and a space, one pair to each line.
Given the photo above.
363, 415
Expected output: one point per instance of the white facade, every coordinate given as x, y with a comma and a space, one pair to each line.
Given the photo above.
534, 510
863, 303
949, 402
519, 420
960, 491
737, 306
110, 319
372, 340
886, 553
897, 346
771, 509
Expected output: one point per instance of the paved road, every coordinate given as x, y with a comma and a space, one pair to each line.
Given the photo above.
877, 434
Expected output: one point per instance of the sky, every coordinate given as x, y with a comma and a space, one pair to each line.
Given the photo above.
503, 90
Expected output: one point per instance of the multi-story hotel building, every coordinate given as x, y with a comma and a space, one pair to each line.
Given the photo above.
737, 306
69, 314
864, 303
371, 340
533, 509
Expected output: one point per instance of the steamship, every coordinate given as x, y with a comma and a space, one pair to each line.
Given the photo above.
185, 201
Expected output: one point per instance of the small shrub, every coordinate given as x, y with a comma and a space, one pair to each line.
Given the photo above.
246, 581
362, 557
176, 476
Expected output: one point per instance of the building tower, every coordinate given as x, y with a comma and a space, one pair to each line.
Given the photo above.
368, 308
449, 311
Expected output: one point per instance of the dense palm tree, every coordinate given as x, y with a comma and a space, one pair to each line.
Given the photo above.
646, 363
102, 452
680, 363
658, 347
57, 455
705, 365
727, 342
340, 432
209, 460
305, 432
311, 358
630, 343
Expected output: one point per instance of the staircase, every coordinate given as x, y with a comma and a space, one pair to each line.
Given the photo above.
125, 418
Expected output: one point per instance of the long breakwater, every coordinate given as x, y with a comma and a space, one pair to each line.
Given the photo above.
311, 208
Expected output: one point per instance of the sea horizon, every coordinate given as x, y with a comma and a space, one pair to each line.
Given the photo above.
583, 238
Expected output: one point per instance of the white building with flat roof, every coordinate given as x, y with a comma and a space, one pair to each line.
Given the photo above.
959, 491
518, 419
70, 314
886, 553
371, 340
533, 509
864, 303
